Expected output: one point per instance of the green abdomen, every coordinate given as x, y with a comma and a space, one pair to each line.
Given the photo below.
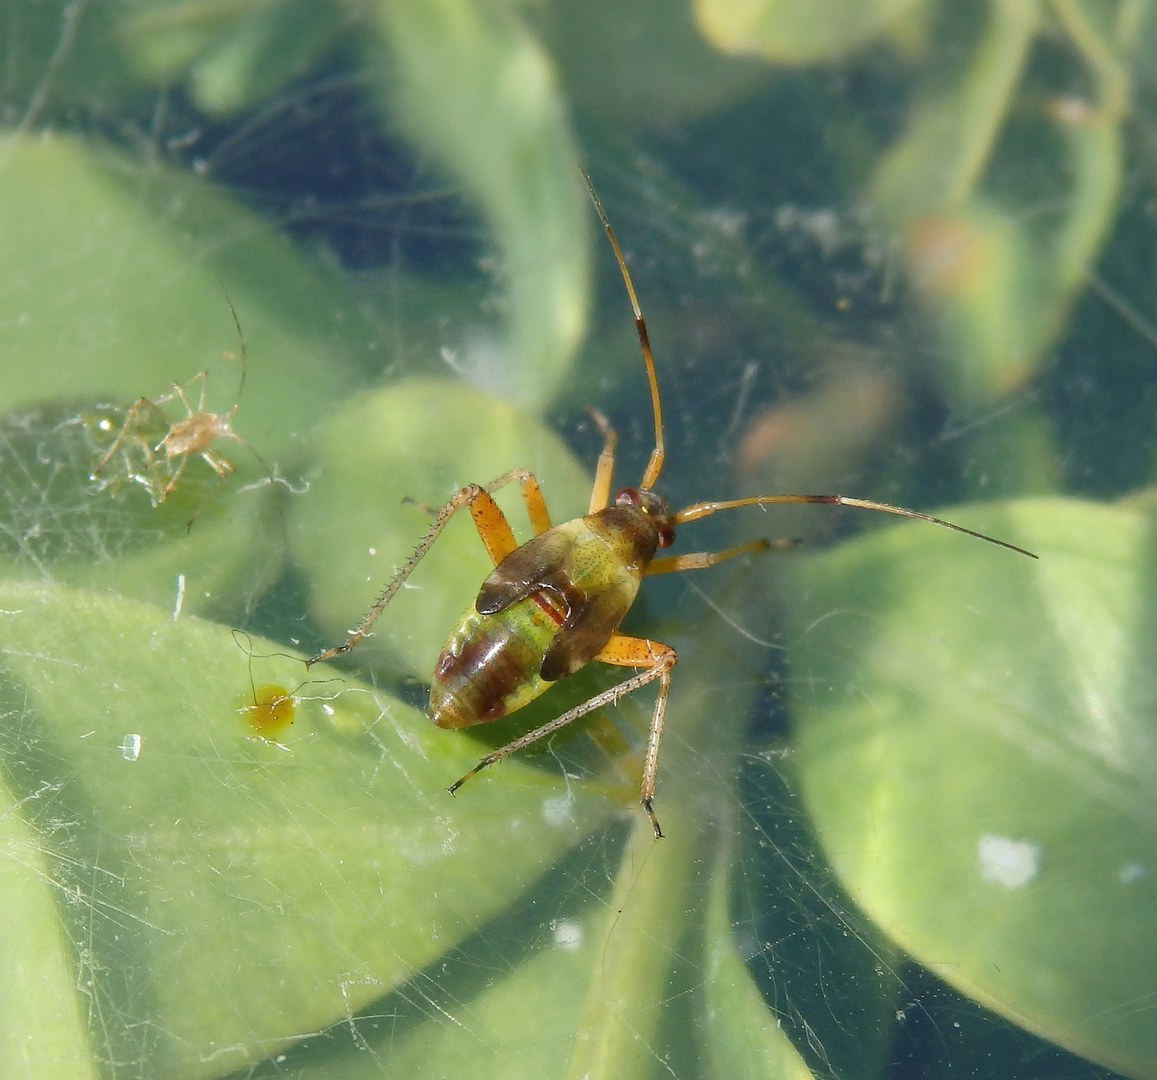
489, 665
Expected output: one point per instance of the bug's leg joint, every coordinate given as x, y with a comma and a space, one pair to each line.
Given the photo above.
654, 820
354, 639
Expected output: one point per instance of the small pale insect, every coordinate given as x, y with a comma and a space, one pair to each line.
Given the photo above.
159, 465
555, 603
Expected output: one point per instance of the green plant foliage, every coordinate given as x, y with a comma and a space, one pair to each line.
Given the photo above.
744, 1040
797, 31
860, 231
86, 326
999, 263
233, 55
137, 786
499, 128
999, 270
975, 745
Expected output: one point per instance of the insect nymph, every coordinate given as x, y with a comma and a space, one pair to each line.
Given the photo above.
158, 464
555, 603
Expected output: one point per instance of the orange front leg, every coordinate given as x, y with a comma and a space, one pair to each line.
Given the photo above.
491, 523
493, 529
531, 496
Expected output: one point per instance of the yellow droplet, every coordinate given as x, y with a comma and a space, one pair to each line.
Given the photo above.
271, 709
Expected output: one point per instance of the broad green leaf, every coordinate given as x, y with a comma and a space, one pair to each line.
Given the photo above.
115, 283
218, 893
43, 1033
89, 336
590, 992
420, 439
515, 1019
975, 742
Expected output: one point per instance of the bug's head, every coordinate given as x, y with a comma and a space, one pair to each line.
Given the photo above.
652, 506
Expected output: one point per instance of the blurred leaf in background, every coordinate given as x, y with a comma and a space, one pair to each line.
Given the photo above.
866, 237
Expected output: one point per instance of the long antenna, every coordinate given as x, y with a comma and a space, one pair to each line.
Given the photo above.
240, 338
655, 464
704, 509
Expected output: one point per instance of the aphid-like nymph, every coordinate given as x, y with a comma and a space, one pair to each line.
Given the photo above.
158, 464
192, 434
555, 603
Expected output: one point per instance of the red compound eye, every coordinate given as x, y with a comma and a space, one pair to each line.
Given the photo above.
628, 497
666, 536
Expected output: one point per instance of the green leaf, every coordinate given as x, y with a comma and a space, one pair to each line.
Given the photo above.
43, 1034
514, 1020
216, 893
975, 744
83, 326
88, 336
743, 1038
234, 54
474, 90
